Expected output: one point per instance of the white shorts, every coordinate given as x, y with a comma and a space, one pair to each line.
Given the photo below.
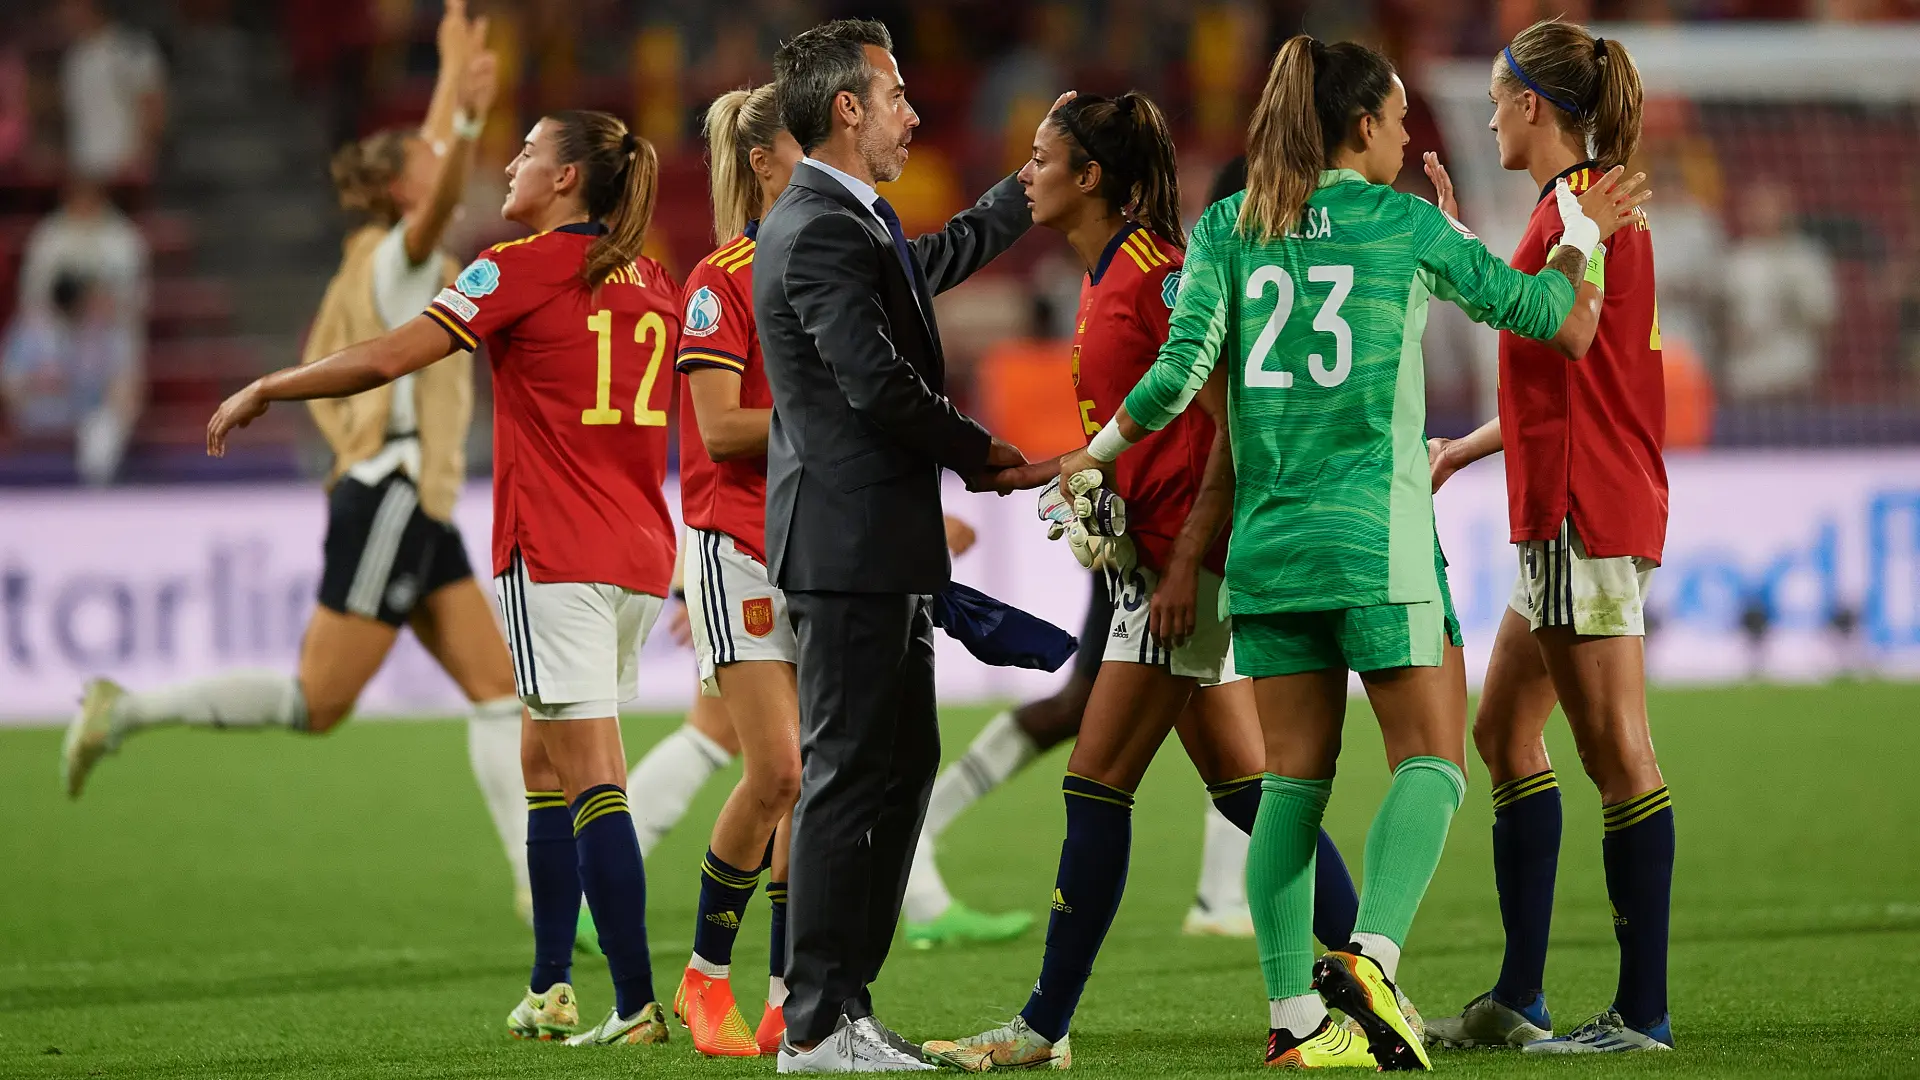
1207, 655
1560, 585
735, 612
575, 645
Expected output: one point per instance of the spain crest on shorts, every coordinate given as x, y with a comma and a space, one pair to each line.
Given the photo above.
756, 614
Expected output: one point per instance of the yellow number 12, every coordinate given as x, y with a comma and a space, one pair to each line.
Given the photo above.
601, 323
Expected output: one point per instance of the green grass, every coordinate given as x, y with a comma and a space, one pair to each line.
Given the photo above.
241, 906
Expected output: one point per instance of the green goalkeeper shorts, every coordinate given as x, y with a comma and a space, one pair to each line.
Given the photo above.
1360, 638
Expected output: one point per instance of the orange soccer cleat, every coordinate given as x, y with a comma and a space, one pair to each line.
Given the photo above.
713, 1019
773, 1027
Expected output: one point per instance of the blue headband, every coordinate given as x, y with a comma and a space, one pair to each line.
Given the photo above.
1514, 66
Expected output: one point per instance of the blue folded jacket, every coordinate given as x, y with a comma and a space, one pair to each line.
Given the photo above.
998, 633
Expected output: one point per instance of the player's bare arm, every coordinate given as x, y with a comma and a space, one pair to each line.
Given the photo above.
1610, 204
1083, 459
1449, 456
726, 430
1173, 612
356, 369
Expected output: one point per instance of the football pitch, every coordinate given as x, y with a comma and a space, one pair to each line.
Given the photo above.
265, 905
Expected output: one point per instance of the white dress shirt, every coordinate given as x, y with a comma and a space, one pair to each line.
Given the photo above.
859, 189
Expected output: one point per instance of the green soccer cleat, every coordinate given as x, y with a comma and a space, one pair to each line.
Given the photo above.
1011, 1046
961, 925
648, 1027
552, 1015
90, 735
1487, 1022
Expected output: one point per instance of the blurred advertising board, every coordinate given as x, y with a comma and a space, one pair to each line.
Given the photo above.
1790, 567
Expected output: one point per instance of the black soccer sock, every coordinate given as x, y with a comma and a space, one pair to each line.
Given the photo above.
1336, 903
724, 893
1086, 893
777, 929
553, 874
1638, 851
615, 882
1526, 857
1237, 800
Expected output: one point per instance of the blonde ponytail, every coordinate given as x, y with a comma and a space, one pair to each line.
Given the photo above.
737, 123
1314, 95
1590, 82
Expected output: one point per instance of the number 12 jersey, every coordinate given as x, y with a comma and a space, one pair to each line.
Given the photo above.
582, 379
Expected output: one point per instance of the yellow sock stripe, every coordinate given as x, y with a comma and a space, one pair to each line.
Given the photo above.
1637, 811
1117, 798
555, 803
1634, 804
778, 896
607, 802
1228, 787
1514, 790
727, 878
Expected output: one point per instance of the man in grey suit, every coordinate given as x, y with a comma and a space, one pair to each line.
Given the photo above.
861, 429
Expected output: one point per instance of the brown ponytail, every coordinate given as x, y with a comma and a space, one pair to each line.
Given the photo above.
1590, 82
619, 175
364, 172
738, 122
1314, 95
1129, 137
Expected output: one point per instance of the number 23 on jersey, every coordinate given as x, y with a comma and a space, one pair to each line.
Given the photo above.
650, 339
1327, 321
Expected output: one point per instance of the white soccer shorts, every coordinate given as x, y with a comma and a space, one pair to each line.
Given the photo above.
1207, 655
1560, 585
575, 645
736, 614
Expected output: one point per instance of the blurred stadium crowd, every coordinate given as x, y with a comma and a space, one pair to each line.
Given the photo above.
167, 225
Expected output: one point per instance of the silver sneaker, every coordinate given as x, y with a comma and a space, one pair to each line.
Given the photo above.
874, 1029
1606, 1033
851, 1048
1486, 1022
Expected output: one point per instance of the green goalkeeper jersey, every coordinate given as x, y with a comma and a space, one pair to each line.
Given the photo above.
1333, 501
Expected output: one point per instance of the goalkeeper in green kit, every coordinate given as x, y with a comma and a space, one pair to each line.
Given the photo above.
1313, 286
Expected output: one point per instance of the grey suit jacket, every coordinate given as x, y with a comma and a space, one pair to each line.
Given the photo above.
861, 423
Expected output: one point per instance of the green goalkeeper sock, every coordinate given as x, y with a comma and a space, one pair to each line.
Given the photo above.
1280, 870
1404, 845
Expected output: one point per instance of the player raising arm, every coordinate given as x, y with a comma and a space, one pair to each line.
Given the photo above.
1103, 173
1313, 286
1587, 502
578, 327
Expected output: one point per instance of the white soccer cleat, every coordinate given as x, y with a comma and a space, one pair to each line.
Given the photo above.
648, 1027
90, 734
1203, 921
1486, 1022
1013, 1045
852, 1047
551, 1015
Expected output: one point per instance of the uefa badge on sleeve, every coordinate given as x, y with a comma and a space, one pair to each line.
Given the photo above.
703, 313
479, 279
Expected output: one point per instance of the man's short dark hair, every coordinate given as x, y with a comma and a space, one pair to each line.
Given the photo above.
815, 67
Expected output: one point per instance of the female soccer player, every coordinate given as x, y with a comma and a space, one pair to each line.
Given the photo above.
1103, 173
392, 556
1587, 497
578, 325
1315, 284
741, 637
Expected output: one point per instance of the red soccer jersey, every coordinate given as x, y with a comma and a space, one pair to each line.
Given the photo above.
717, 332
1583, 437
579, 407
1124, 306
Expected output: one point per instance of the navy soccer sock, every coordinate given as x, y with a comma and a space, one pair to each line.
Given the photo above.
1638, 852
724, 893
777, 929
1086, 893
553, 873
1336, 903
1237, 800
1526, 857
612, 876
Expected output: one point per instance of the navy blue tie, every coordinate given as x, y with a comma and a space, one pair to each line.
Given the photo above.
900, 248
